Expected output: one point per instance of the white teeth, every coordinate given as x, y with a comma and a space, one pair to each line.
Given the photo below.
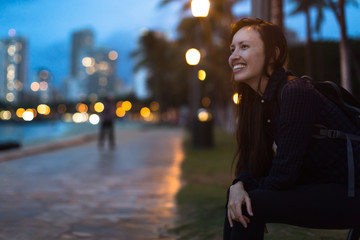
239, 66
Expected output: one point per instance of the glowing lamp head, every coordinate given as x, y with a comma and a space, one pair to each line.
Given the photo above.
204, 115
193, 56
201, 75
200, 8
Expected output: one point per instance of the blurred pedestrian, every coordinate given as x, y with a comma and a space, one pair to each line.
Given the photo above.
283, 173
107, 118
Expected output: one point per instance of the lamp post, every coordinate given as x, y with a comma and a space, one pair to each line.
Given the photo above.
201, 123
193, 57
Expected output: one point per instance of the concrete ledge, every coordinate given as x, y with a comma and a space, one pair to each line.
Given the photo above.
47, 147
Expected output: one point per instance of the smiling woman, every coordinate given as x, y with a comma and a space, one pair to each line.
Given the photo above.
279, 163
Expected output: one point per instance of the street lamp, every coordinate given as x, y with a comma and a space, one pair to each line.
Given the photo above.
200, 8
201, 124
201, 118
193, 56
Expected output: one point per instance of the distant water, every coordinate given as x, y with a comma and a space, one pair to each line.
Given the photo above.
38, 132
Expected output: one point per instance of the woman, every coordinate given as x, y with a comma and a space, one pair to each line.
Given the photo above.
284, 174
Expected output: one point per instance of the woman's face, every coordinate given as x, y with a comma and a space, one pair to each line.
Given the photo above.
247, 56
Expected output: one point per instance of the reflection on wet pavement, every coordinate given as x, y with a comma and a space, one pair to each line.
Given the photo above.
87, 193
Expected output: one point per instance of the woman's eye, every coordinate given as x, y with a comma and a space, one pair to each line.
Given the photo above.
232, 50
244, 46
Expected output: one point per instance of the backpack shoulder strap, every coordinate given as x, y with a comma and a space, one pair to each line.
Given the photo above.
290, 78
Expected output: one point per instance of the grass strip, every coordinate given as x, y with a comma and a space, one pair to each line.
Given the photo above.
206, 174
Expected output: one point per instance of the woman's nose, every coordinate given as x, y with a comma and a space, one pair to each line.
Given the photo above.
234, 55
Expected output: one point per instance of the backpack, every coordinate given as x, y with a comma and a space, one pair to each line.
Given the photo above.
350, 106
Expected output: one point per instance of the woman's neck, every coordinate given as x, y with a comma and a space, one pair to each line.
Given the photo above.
260, 89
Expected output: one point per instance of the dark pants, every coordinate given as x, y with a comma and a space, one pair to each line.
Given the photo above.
323, 206
107, 128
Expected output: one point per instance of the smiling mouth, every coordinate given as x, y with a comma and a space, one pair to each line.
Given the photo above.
238, 67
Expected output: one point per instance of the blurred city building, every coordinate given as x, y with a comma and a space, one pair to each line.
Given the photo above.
43, 87
13, 69
83, 39
93, 69
98, 68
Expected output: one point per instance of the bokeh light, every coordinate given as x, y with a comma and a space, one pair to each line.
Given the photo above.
94, 119
90, 70
20, 112
119, 104
5, 115
43, 86
35, 86
43, 109
237, 98
154, 106
200, 8
61, 108
33, 111
88, 62
11, 50
99, 107
145, 112
204, 115
67, 117
10, 97
192, 56
44, 74
120, 112
113, 55
82, 107
80, 117
205, 101
201, 75
126, 105
93, 97
12, 32
28, 116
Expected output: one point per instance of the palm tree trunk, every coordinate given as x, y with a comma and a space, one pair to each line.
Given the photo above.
277, 14
339, 12
344, 50
308, 58
261, 9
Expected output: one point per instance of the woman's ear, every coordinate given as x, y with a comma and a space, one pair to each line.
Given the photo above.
277, 52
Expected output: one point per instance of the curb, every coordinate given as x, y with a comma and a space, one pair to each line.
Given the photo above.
48, 147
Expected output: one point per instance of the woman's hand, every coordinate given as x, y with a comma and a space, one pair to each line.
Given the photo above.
238, 197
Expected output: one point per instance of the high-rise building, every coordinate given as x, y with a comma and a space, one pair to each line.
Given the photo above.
92, 69
42, 86
13, 69
98, 69
81, 40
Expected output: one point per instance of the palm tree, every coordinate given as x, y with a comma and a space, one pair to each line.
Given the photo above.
338, 9
212, 35
304, 6
160, 57
276, 13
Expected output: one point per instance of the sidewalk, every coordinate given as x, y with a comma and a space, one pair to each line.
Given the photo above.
81, 192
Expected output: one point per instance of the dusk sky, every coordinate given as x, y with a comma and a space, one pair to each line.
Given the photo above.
117, 24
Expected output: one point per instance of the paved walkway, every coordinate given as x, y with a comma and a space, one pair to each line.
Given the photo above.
82, 192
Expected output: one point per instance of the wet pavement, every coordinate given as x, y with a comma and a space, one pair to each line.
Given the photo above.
82, 192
